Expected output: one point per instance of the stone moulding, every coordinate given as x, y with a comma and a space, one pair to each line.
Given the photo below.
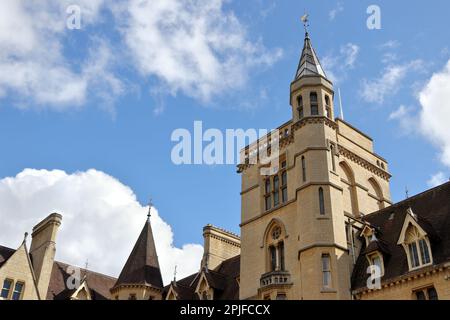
363, 163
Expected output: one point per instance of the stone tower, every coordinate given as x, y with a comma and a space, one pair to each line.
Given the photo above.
140, 278
298, 226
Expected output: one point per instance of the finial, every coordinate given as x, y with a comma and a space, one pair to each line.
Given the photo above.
406, 192
175, 275
411, 213
305, 20
150, 206
25, 236
86, 266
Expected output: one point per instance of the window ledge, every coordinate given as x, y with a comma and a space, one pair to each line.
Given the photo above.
323, 217
335, 173
328, 290
421, 266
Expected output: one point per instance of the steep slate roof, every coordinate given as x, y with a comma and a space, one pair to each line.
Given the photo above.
432, 209
231, 270
99, 284
223, 280
142, 266
309, 64
5, 254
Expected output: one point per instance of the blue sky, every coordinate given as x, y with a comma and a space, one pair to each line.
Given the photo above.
125, 130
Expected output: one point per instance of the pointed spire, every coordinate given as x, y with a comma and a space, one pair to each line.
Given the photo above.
142, 266
309, 64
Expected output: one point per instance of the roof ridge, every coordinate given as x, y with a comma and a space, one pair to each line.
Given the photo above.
223, 230
88, 270
405, 201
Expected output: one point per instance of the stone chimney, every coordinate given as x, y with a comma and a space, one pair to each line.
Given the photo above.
219, 245
42, 251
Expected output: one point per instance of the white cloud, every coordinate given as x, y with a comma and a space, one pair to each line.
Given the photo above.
391, 44
101, 220
389, 82
196, 47
350, 52
437, 179
32, 62
407, 118
435, 114
401, 112
337, 65
335, 11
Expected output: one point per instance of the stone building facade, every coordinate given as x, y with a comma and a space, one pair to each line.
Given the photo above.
319, 226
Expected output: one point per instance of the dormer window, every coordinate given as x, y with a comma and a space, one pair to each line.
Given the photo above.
368, 232
376, 260
416, 243
418, 249
314, 104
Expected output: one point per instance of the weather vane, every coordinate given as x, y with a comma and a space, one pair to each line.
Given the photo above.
305, 20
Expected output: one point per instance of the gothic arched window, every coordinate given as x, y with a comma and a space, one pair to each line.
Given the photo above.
418, 248
274, 242
328, 106
314, 104
333, 161
276, 191
268, 194
304, 169
321, 202
300, 107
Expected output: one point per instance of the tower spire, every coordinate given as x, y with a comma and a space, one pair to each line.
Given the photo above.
309, 64
142, 266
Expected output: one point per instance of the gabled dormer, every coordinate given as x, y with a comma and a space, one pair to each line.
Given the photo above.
416, 242
204, 289
17, 277
376, 250
82, 292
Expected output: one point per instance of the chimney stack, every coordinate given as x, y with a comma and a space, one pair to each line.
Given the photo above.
219, 245
42, 251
